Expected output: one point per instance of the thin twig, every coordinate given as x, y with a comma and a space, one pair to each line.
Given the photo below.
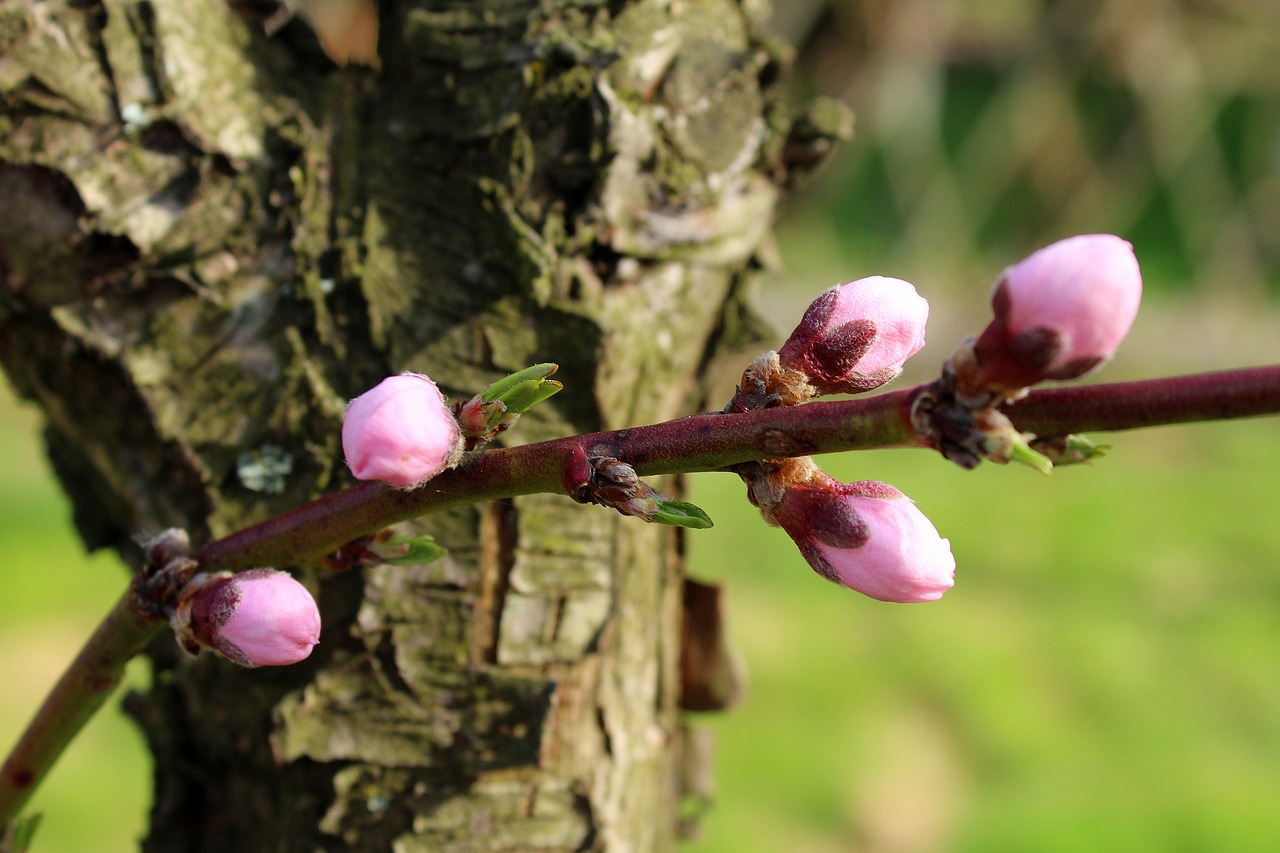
81, 690
711, 442
1223, 395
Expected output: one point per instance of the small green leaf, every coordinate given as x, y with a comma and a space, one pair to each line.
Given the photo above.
681, 514
17, 837
548, 388
1020, 451
520, 398
536, 373
411, 552
1080, 449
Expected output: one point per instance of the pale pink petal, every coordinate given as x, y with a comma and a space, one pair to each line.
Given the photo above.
275, 621
400, 432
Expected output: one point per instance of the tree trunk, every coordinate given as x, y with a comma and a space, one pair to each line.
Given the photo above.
212, 238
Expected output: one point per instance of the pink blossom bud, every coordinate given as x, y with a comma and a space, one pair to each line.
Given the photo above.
857, 336
867, 536
400, 432
1060, 312
261, 617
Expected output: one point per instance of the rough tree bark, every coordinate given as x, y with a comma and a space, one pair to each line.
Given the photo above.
210, 239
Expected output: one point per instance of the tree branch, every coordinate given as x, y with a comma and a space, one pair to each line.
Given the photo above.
1223, 395
74, 699
713, 441
703, 442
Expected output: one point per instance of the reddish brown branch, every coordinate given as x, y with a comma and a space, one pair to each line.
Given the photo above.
1227, 394
703, 442
709, 442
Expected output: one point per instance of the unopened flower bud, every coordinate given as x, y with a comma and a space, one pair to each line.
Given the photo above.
400, 432
261, 617
856, 337
867, 536
1060, 312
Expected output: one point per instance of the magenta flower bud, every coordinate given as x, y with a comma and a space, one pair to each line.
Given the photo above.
869, 537
400, 432
261, 617
857, 336
1060, 312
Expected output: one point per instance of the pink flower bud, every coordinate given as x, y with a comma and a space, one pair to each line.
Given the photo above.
857, 336
867, 536
1060, 312
261, 617
400, 432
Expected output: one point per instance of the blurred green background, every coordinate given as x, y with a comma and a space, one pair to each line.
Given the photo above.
1106, 673
53, 596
